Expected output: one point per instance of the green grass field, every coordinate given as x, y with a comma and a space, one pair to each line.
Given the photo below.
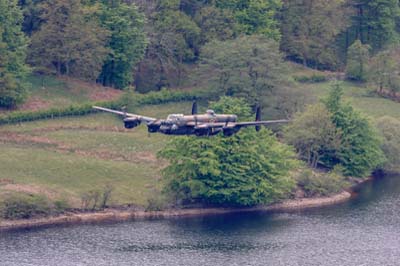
45, 92
69, 157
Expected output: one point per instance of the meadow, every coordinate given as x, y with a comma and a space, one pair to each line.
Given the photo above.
66, 158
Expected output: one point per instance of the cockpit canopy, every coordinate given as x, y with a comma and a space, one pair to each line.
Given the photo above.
210, 112
174, 117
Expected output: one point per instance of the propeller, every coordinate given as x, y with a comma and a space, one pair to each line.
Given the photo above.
258, 117
194, 108
124, 110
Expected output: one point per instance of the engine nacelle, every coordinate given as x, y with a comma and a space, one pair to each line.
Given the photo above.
229, 131
131, 122
207, 131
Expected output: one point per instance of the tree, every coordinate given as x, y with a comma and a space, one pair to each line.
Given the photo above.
174, 40
374, 22
248, 66
70, 40
385, 71
389, 129
215, 24
13, 45
246, 169
313, 134
357, 61
31, 11
255, 16
310, 28
359, 152
126, 45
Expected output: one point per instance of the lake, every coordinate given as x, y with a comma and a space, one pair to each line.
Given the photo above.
363, 231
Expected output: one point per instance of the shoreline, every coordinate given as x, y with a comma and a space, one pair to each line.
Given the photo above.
115, 215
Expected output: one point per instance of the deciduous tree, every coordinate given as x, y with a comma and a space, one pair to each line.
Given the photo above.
357, 61
246, 169
13, 45
313, 134
248, 66
127, 42
70, 40
310, 28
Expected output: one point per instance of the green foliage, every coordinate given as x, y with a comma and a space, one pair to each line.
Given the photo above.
215, 24
359, 152
246, 169
255, 16
70, 40
318, 184
127, 43
24, 206
174, 40
310, 28
384, 70
230, 105
12, 55
157, 202
389, 129
314, 78
374, 22
357, 61
249, 66
128, 99
313, 134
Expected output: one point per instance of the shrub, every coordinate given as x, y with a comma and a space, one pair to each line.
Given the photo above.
315, 184
389, 129
61, 206
314, 78
96, 199
24, 206
156, 203
357, 61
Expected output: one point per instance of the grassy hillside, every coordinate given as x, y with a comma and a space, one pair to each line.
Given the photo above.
45, 92
66, 158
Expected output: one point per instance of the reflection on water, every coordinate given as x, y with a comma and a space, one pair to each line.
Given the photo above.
364, 231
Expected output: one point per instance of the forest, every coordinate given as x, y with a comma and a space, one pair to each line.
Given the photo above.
241, 51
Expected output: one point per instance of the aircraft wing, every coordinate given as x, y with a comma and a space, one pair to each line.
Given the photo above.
238, 124
145, 119
261, 123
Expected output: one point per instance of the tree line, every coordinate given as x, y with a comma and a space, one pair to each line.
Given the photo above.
159, 43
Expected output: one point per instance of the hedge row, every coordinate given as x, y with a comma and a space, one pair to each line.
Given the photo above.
160, 97
165, 96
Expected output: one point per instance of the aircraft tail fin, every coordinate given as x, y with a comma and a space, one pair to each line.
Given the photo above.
258, 117
194, 108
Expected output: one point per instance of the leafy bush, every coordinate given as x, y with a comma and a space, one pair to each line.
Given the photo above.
156, 203
61, 206
315, 184
12, 96
24, 206
246, 169
314, 78
97, 199
389, 129
357, 61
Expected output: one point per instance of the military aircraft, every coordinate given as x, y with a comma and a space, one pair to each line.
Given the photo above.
208, 124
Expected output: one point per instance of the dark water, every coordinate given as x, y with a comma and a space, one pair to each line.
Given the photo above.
364, 231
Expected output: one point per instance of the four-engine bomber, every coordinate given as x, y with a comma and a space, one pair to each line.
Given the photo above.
207, 124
